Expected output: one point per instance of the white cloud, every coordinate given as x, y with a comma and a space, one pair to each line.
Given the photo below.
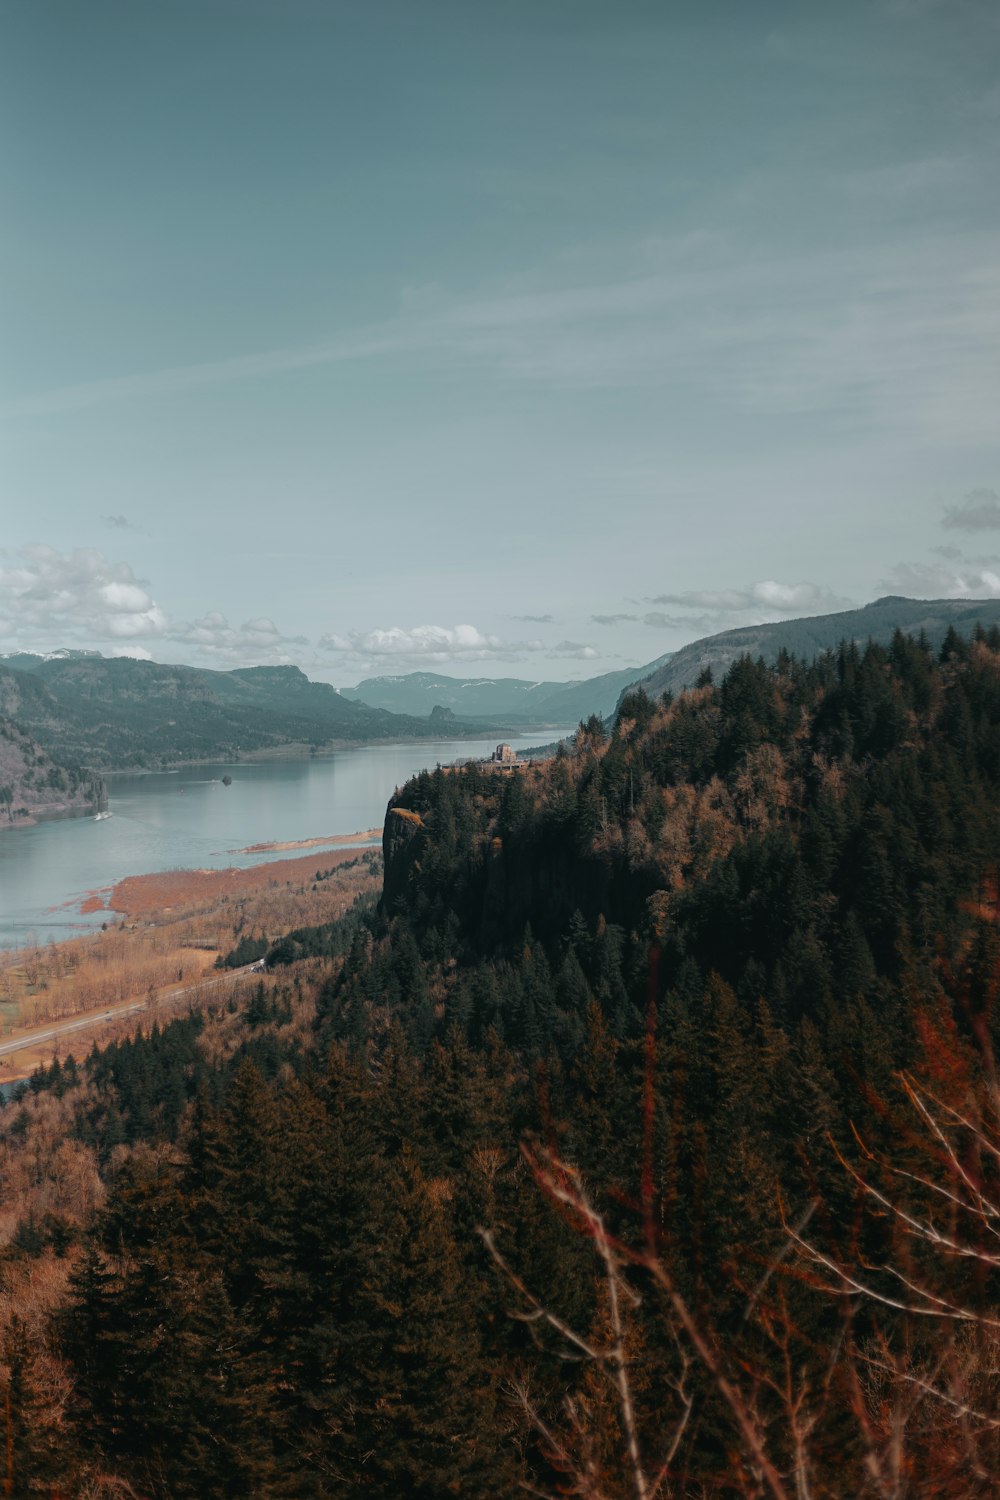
768, 596
941, 581
49, 597
133, 653
978, 511
425, 645
692, 613
256, 642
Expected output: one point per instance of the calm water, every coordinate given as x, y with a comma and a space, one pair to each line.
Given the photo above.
188, 819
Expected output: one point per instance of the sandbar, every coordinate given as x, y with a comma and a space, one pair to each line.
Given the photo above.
366, 836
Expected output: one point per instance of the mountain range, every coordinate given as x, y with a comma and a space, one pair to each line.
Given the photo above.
110, 713
554, 703
82, 709
517, 699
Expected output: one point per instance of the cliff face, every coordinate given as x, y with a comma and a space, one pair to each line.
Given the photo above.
33, 786
401, 827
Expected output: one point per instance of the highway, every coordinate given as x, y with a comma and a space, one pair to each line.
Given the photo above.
60, 1029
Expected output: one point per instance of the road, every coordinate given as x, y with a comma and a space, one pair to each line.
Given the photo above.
101, 1018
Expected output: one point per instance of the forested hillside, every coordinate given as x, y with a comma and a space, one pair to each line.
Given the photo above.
810, 636
33, 786
643, 1143
113, 713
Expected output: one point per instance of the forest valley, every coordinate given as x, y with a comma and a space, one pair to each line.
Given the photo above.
643, 1141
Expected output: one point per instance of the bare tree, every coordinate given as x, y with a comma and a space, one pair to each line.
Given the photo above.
897, 1399
921, 1318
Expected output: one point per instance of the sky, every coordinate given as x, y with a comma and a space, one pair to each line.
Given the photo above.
491, 337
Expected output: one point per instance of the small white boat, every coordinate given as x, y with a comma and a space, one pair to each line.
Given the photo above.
99, 817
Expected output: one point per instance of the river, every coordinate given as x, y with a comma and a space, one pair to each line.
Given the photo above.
188, 819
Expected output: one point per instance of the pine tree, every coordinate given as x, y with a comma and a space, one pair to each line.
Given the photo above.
429, 1418
161, 1357
36, 1451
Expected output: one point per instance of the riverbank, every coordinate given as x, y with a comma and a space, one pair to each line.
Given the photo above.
46, 812
193, 820
370, 836
298, 750
164, 892
159, 948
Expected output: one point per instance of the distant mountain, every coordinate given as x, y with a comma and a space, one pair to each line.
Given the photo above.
809, 637
27, 661
118, 712
512, 698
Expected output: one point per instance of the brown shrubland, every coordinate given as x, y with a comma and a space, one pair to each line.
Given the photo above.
171, 929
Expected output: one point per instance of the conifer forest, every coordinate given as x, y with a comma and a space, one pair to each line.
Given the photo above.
641, 1141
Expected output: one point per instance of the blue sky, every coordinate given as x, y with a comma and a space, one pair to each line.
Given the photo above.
533, 336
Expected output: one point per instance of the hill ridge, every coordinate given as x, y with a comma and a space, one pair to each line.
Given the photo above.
808, 636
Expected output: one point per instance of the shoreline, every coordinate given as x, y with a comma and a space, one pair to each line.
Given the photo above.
167, 928
300, 750
142, 896
50, 813
139, 895
346, 840
296, 750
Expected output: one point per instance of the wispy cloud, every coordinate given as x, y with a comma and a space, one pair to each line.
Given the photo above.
362, 345
978, 511
534, 619
575, 650
695, 612
901, 332
769, 595
690, 625
117, 523
943, 581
